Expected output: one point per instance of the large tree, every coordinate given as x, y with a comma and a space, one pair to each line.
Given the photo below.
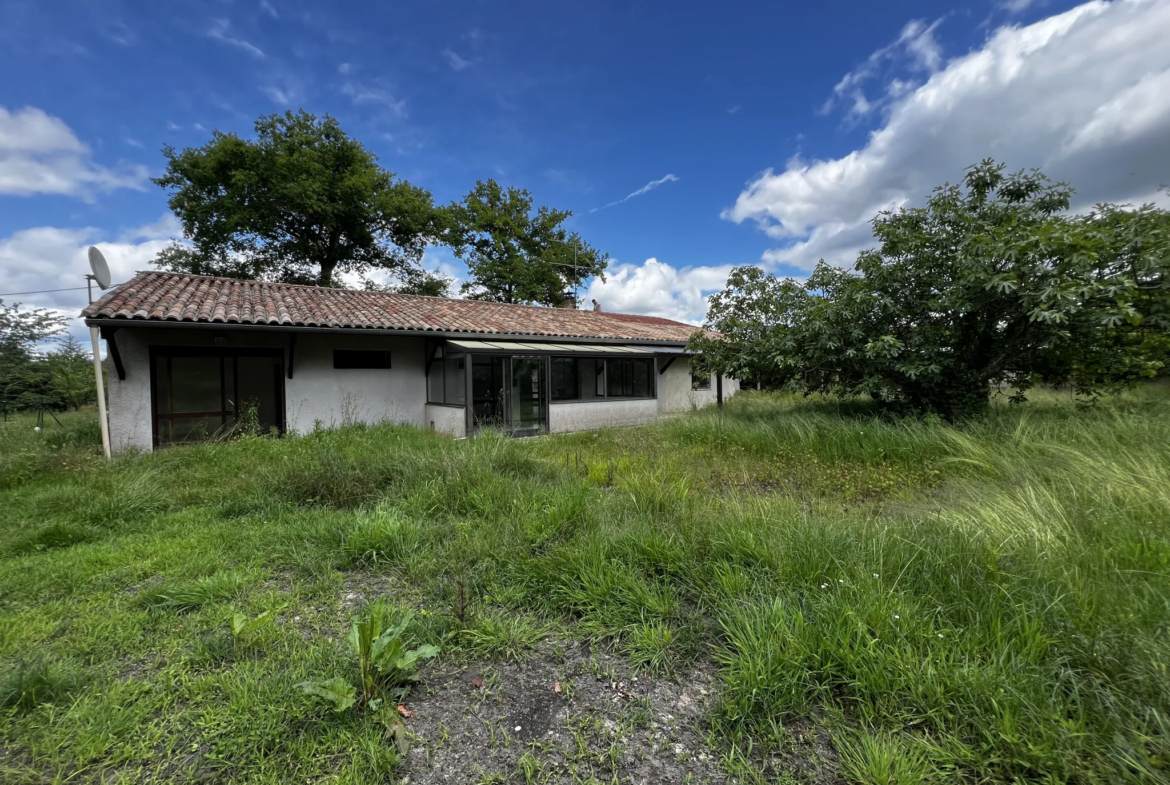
515, 255
992, 283
300, 203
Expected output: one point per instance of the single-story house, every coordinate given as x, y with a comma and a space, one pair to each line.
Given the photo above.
190, 354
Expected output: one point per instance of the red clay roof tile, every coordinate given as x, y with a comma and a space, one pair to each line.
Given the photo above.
179, 297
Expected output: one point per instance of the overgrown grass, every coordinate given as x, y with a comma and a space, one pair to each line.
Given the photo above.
986, 602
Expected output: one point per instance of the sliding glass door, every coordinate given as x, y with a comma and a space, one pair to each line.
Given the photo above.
509, 393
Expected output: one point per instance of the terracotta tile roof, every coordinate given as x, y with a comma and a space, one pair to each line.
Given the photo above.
179, 297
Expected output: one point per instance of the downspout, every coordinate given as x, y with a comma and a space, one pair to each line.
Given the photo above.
101, 391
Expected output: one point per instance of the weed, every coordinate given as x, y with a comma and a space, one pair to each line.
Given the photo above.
39, 679
386, 667
503, 634
193, 594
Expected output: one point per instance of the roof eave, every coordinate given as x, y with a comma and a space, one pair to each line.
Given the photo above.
305, 330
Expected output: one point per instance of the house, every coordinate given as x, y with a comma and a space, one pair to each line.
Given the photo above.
192, 353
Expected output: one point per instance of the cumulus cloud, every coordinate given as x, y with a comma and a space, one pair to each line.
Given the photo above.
47, 257
650, 186
657, 289
40, 154
1084, 95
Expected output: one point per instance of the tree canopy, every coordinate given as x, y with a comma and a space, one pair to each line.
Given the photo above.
31, 378
302, 202
993, 284
515, 255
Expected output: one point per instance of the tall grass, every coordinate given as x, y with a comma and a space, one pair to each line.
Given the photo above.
979, 603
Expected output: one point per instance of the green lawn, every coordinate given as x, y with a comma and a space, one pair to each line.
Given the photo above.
985, 603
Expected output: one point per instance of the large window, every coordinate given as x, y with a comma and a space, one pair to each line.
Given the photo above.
565, 382
629, 378
578, 379
446, 382
199, 393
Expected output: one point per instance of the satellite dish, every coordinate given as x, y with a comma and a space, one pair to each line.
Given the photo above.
101, 270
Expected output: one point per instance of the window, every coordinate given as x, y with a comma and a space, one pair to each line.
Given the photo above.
629, 378
565, 384
447, 381
700, 379
199, 393
360, 359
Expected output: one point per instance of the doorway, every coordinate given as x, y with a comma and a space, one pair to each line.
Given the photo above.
509, 393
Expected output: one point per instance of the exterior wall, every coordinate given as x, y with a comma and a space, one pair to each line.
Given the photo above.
675, 393
584, 416
317, 393
451, 420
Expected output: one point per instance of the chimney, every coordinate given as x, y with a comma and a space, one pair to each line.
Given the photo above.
569, 301
596, 305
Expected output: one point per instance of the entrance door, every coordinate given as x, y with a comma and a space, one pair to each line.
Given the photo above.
526, 404
509, 393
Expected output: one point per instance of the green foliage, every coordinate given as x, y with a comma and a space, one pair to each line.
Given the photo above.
244, 629
29, 379
882, 760
990, 285
300, 203
414, 281
984, 602
386, 667
32, 681
337, 691
516, 256
194, 594
504, 634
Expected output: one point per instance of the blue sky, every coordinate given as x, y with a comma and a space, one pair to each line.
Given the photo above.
772, 131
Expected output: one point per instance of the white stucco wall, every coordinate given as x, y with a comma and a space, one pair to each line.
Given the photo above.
451, 420
583, 416
675, 393
317, 393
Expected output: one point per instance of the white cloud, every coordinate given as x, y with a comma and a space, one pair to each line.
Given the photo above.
915, 48
1018, 6
279, 95
1085, 95
268, 9
47, 257
657, 289
344, 68
366, 94
650, 186
221, 30
456, 62
40, 154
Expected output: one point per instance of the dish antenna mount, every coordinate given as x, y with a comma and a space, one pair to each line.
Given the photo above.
101, 271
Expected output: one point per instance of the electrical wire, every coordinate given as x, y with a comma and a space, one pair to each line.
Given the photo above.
44, 291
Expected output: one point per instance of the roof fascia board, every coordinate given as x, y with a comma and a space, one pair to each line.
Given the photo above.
286, 328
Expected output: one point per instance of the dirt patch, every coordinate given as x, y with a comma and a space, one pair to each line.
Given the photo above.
507, 722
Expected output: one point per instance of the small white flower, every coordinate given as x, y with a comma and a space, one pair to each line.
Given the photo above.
840, 580
824, 585
896, 616
517, 728
940, 635
875, 575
